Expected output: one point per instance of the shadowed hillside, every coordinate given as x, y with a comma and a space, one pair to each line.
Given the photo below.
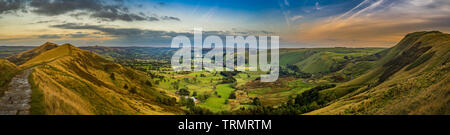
411, 78
68, 80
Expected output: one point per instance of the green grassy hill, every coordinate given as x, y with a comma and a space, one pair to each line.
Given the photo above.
410, 78
325, 60
68, 80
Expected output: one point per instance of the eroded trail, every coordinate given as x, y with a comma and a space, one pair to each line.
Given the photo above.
16, 100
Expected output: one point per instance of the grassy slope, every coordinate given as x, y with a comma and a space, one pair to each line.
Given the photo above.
423, 89
7, 72
292, 56
321, 60
23, 57
73, 81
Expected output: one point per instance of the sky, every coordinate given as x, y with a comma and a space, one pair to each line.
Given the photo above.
299, 23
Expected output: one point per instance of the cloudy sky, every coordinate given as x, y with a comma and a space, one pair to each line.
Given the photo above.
299, 23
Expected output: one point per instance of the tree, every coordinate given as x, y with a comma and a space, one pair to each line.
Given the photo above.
190, 103
232, 96
126, 86
256, 101
112, 76
148, 83
133, 90
176, 85
183, 92
194, 94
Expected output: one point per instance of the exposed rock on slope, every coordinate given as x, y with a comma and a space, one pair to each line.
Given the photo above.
16, 100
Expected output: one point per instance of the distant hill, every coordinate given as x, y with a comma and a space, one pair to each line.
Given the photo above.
411, 78
324, 60
7, 51
68, 80
23, 57
154, 53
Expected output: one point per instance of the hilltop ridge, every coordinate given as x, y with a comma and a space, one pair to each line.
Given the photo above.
68, 80
23, 57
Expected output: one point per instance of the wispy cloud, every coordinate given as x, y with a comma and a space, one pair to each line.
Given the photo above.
317, 6
104, 10
294, 18
286, 2
377, 23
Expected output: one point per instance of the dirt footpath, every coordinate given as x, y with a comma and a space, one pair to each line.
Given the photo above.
16, 100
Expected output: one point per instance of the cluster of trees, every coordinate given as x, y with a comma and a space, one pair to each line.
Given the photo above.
184, 92
188, 102
170, 101
153, 75
228, 76
293, 70
202, 97
311, 95
175, 84
199, 111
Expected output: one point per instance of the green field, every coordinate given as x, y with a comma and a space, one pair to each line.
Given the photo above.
217, 103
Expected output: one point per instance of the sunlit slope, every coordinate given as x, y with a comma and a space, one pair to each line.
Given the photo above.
411, 78
73, 81
7, 72
23, 57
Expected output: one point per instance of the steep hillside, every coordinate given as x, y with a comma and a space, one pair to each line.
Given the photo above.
320, 62
410, 78
8, 70
327, 60
68, 80
23, 57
